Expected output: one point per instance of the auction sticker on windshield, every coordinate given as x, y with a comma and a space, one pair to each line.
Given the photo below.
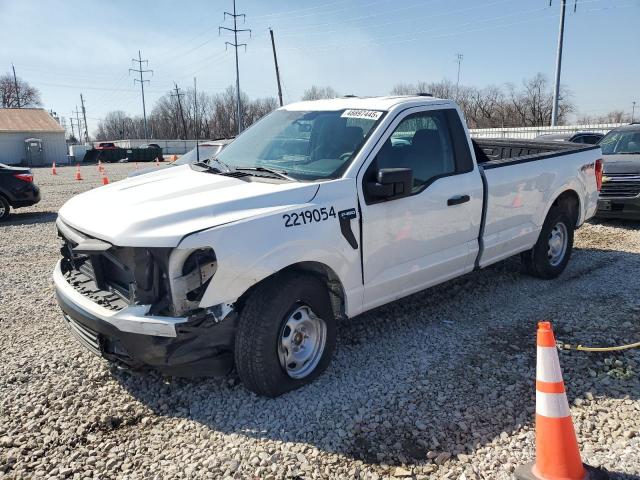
368, 114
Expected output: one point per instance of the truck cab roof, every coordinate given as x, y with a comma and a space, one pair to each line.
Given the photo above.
367, 103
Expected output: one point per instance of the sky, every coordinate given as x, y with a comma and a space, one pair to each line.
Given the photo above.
361, 47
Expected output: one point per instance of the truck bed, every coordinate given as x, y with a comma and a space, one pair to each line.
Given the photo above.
497, 152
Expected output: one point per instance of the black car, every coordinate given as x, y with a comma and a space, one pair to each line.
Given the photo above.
17, 189
620, 194
590, 138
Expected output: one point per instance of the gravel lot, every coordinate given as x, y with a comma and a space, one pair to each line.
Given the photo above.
438, 385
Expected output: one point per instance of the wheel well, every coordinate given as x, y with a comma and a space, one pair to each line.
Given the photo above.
319, 270
569, 201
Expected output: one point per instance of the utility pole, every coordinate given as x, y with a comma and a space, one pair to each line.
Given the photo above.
235, 44
459, 58
15, 83
179, 94
73, 132
84, 116
556, 88
139, 70
195, 118
78, 123
275, 60
633, 111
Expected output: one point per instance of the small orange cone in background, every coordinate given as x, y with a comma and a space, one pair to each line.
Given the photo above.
100, 167
78, 176
53, 169
557, 453
105, 179
174, 158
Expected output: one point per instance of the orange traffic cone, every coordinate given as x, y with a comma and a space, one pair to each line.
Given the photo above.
174, 158
78, 176
557, 453
100, 167
53, 169
105, 179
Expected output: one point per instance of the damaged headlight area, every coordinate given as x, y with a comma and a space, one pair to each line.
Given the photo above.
172, 281
190, 272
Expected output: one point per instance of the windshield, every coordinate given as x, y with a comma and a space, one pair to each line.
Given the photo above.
307, 145
621, 142
206, 152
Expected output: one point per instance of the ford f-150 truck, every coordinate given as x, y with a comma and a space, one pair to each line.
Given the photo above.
318, 212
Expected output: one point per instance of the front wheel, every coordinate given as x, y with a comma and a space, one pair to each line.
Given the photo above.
5, 208
286, 334
549, 256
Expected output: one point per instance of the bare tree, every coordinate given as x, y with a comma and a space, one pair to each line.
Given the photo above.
319, 93
494, 106
27, 95
216, 117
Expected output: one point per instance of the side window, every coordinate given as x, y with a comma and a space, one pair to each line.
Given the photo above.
421, 142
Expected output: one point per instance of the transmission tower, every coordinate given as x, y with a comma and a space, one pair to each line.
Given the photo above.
140, 70
235, 45
179, 96
459, 58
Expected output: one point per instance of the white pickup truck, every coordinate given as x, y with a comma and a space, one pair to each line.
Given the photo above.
318, 212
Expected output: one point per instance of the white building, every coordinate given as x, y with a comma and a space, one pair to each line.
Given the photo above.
30, 136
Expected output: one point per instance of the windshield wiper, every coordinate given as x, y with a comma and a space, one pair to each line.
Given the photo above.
226, 168
277, 173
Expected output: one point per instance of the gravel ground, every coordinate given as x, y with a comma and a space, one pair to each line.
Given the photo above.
438, 385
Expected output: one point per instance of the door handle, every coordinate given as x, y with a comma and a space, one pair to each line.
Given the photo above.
458, 199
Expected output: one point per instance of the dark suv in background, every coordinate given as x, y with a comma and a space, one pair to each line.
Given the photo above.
17, 189
620, 194
590, 138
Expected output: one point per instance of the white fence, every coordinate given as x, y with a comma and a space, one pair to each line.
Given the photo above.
533, 132
169, 147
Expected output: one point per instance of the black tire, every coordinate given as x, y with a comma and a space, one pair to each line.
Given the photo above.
260, 328
538, 261
5, 208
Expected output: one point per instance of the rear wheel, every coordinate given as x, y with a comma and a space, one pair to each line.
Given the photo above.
549, 256
286, 334
5, 208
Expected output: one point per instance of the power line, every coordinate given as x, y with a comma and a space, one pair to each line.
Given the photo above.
140, 70
235, 45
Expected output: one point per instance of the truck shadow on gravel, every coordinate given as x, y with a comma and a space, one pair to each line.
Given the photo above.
616, 223
29, 218
442, 374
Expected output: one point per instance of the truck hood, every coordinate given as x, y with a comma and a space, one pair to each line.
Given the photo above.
158, 209
621, 163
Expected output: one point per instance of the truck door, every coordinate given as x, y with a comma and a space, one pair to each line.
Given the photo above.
412, 242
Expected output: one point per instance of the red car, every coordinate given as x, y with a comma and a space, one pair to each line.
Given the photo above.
106, 146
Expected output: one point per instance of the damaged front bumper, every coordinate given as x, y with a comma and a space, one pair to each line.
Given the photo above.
196, 345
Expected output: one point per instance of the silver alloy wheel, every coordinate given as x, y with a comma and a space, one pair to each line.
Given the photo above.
301, 342
558, 241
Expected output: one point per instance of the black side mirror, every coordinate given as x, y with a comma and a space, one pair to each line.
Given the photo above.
391, 183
